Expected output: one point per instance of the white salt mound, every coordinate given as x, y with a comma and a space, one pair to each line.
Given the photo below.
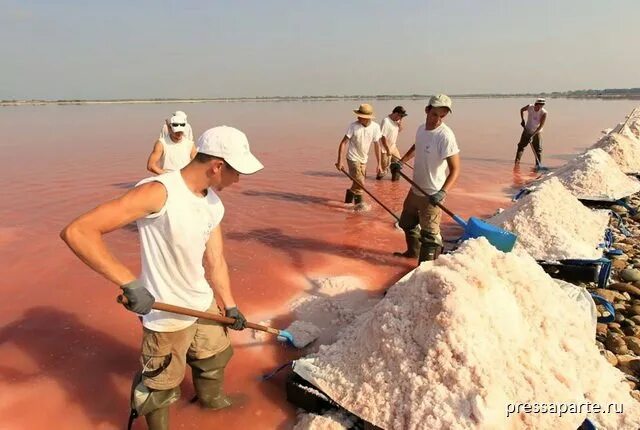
303, 333
623, 149
595, 175
332, 303
330, 421
552, 224
465, 336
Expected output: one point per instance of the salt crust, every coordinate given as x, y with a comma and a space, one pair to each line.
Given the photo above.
552, 224
330, 421
623, 149
595, 175
331, 304
303, 333
461, 338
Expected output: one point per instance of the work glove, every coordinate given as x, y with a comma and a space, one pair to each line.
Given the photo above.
522, 123
139, 299
240, 322
437, 197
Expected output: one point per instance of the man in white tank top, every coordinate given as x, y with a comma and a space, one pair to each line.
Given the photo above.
178, 216
532, 130
172, 151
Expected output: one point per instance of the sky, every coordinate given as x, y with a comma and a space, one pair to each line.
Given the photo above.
180, 49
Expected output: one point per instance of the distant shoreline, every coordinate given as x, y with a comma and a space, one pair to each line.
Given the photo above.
631, 94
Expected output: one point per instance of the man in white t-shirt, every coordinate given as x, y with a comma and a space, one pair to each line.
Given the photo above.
532, 130
178, 216
436, 170
359, 137
172, 151
391, 126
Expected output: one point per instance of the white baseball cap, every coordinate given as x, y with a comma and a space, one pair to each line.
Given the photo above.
178, 123
232, 146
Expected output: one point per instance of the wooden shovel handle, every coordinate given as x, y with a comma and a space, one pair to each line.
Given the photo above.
204, 315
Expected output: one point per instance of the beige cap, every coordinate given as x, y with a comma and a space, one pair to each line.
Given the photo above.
364, 111
440, 100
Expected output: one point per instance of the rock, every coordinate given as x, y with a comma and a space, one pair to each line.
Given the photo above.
620, 306
616, 330
630, 275
614, 325
622, 257
600, 345
602, 329
631, 384
636, 395
619, 317
634, 310
627, 323
631, 330
616, 344
627, 297
624, 287
619, 264
609, 295
624, 247
633, 344
620, 210
635, 319
611, 357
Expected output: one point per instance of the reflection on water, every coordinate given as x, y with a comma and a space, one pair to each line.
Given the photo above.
283, 226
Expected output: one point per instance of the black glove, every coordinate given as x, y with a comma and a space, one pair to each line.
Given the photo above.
241, 321
139, 299
522, 123
437, 197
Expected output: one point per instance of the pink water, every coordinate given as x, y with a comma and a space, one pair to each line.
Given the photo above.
68, 351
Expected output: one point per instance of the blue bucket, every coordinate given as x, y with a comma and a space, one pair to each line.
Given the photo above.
500, 238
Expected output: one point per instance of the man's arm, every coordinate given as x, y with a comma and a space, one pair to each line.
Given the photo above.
343, 143
84, 235
522, 111
454, 171
378, 156
543, 119
154, 158
194, 150
216, 270
383, 140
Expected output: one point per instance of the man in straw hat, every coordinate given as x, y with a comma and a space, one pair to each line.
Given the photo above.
391, 126
178, 216
532, 129
359, 136
436, 170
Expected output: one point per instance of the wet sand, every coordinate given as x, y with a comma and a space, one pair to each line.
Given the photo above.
68, 348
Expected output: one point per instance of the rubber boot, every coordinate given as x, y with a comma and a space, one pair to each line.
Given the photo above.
208, 379
348, 197
395, 169
395, 176
158, 419
357, 200
429, 252
413, 246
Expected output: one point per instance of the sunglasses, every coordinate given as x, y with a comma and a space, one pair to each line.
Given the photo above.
173, 124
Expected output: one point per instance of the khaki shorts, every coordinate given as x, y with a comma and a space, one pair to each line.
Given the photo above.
357, 171
418, 210
164, 354
386, 159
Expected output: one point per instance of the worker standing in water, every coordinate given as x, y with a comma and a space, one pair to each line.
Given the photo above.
436, 170
532, 130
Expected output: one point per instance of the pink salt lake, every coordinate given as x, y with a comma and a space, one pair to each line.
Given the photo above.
69, 351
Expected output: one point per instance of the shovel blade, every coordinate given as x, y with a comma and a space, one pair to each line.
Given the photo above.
502, 239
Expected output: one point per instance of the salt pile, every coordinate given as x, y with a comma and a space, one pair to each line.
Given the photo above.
303, 333
331, 304
595, 175
330, 421
461, 339
552, 224
623, 149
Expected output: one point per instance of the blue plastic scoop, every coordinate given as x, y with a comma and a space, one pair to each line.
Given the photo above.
502, 239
